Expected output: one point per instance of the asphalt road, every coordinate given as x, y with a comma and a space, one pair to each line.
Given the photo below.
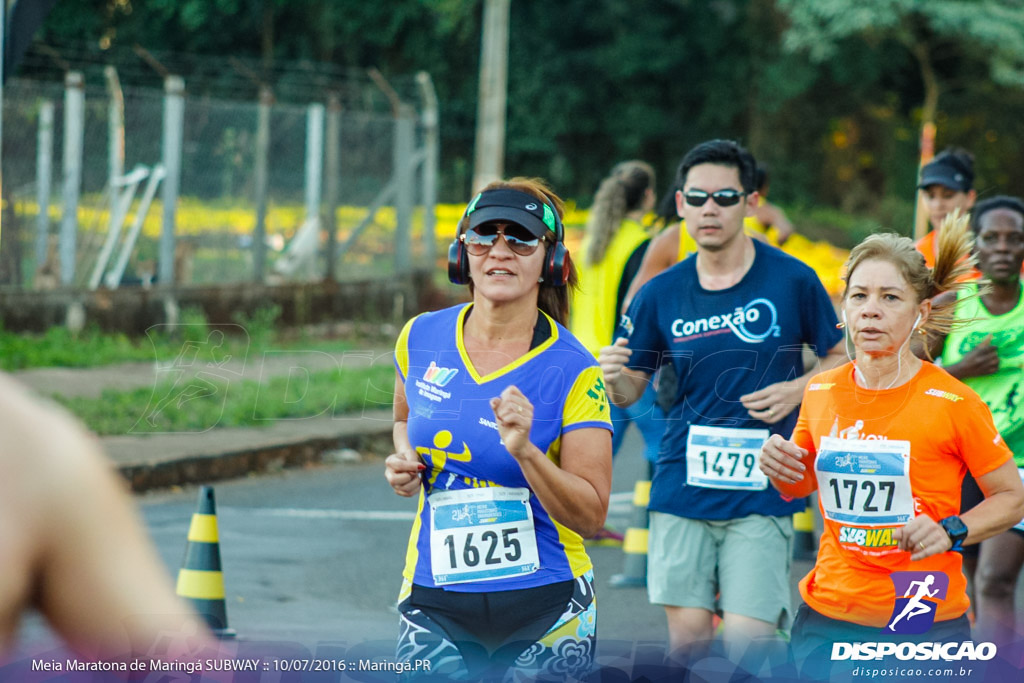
314, 556
312, 565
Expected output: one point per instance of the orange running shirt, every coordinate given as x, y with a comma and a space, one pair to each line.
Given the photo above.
950, 431
926, 245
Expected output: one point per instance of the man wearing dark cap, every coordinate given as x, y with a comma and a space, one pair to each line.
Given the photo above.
947, 182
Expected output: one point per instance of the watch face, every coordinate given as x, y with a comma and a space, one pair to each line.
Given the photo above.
955, 527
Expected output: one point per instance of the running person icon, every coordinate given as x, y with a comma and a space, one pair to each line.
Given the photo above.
916, 606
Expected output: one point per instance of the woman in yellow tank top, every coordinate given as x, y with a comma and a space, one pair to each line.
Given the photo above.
613, 248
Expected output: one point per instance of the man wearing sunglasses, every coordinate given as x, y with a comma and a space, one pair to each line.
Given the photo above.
732, 320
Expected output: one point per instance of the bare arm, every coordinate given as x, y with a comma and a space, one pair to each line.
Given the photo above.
98, 579
660, 256
576, 493
788, 467
623, 386
769, 214
774, 402
403, 467
982, 360
1002, 507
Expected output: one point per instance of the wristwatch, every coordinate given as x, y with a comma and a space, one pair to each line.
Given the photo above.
957, 532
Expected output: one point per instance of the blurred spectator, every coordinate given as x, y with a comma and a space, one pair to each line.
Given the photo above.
947, 183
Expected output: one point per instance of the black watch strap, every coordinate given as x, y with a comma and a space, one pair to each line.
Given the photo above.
956, 530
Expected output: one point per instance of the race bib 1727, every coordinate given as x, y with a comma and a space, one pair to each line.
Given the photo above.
865, 483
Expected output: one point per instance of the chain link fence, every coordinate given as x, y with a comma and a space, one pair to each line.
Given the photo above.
266, 191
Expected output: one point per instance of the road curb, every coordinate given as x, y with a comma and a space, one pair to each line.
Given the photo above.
199, 469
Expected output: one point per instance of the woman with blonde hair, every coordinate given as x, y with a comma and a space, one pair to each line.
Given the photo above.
886, 440
613, 248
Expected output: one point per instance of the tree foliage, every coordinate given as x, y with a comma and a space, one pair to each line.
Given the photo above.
828, 92
989, 30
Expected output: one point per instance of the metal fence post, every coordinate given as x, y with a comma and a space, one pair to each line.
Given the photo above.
314, 159
259, 238
44, 181
404, 175
332, 179
174, 133
74, 132
430, 164
115, 125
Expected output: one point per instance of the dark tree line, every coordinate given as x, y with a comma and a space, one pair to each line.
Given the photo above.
833, 105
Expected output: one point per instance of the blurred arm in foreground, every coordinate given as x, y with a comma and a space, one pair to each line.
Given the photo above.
71, 543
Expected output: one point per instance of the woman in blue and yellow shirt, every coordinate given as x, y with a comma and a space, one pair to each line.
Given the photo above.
502, 430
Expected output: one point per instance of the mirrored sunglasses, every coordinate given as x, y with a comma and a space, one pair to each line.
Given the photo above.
480, 239
723, 198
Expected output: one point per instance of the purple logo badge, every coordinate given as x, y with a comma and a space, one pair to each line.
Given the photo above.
917, 598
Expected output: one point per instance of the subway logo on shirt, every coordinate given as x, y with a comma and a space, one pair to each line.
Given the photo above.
867, 538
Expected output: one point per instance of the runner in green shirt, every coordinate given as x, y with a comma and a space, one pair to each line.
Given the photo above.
989, 356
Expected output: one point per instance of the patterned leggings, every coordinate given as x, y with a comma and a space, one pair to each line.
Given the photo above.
565, 652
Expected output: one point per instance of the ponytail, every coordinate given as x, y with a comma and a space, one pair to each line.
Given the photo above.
953, 264
621, 192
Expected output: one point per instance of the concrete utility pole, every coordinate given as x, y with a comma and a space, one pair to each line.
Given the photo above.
489, 162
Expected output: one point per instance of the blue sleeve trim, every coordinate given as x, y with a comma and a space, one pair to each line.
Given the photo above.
583, 425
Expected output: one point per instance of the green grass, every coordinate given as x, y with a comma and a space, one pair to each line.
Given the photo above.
215, 403
58, 347
92, 348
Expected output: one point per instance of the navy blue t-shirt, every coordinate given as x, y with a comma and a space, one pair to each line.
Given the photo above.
725, 344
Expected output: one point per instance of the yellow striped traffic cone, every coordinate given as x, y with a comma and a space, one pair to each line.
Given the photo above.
200, 580
804, 545
634, 570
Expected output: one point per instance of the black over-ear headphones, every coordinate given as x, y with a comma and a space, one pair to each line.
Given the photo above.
537, 216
